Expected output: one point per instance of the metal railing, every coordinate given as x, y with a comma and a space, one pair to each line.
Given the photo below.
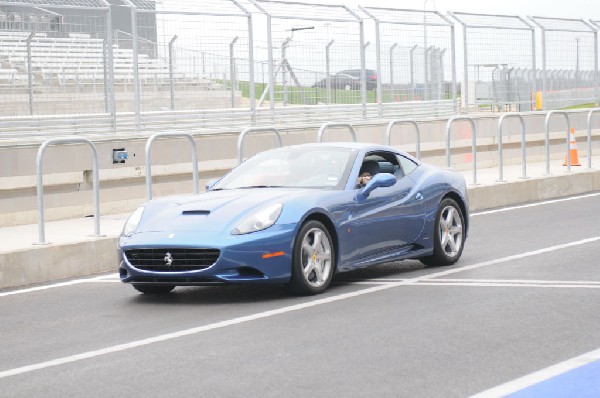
589, 135
523, 145
149, 160
547, 141
40, 183
245, 132
335, 125
240, 143
391, 124
473, 145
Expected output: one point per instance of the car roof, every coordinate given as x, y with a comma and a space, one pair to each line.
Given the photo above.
364, 146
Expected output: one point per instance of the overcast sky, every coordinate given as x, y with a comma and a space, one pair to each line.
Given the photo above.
587, 9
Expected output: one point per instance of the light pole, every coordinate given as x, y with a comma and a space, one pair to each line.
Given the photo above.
425, 58
284, 62
577, 62
393, 90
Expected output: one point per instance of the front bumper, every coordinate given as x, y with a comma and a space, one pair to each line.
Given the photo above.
259, 257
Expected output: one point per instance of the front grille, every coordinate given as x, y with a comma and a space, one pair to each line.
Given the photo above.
172, 260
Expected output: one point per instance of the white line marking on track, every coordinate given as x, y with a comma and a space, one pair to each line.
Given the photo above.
540, 376
283, 310
61, 284
546, 202
516, 281
500, 284
512, 283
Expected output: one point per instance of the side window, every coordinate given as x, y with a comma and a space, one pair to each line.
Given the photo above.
407, 165
382, 162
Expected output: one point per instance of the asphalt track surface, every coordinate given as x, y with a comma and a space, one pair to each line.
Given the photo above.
516, 315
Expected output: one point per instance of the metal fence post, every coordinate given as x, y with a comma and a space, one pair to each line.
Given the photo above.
232, 79
363, 73
171, 82
328, 71
378, 66
136, 75
109, 77
392, 87
30, 72
454, 88
596, 55
271, 68
284, 61
412, 72
465, 89
252, 88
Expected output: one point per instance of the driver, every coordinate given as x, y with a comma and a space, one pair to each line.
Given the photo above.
363, 179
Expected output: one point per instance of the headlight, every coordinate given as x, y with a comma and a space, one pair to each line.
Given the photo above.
259, 220
133, 221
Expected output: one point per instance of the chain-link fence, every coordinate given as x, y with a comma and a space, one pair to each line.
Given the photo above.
54, 58
414, 55
189, 55
143, 65
316, 55
569, 62
498, 62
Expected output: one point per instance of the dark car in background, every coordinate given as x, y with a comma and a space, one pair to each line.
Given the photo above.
349, 79
371, 76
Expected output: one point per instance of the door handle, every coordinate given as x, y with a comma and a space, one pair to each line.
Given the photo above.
419, 196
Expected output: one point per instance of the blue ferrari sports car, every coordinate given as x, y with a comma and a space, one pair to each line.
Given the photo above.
295, 216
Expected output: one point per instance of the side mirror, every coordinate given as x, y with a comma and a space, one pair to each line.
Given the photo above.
380, 180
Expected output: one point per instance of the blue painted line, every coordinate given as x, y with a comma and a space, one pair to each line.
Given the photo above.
581, 382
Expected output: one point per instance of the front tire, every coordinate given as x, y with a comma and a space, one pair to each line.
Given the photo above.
153, 289
313, 260
448, 235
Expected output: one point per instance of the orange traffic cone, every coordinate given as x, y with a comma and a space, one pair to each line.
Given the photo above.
573, 150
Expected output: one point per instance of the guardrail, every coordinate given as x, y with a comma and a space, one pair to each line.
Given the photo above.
523, 145
396, 122
473, 145
249, 130
332, 124
40, 184
149, 160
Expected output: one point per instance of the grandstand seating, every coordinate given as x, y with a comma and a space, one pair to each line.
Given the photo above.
78, 58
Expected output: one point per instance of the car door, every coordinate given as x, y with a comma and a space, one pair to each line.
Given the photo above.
390, 218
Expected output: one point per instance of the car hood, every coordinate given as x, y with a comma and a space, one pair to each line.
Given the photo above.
210, 211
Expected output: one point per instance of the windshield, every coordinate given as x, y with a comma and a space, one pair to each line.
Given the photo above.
306, 167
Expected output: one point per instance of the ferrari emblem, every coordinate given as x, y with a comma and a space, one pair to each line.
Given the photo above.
168, 259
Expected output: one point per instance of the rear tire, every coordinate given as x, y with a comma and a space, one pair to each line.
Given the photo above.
448, 235
153, 289
313, 260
